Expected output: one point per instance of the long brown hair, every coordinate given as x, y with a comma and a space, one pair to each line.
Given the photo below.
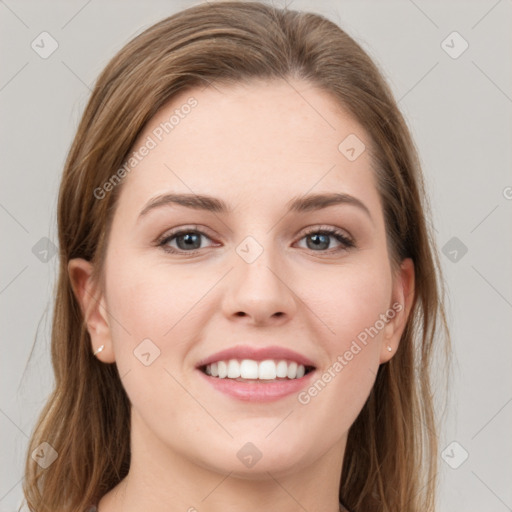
390, 462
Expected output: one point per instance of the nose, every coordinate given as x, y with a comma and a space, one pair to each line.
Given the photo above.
260, 292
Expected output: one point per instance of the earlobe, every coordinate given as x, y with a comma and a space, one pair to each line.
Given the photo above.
403, 297
91, 301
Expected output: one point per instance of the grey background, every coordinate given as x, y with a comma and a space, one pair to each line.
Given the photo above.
459, 112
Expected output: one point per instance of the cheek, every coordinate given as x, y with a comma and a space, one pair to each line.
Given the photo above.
168, 305
352, 300
158, 303
153, 320
353, 308
153, 303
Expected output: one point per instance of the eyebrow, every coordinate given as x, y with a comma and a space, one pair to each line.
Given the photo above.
212, 204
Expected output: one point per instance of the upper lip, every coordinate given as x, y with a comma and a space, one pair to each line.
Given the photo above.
257, 354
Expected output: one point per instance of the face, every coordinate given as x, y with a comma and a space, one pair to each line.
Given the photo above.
272, 269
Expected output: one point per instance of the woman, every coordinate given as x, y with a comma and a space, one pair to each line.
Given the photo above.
249, 295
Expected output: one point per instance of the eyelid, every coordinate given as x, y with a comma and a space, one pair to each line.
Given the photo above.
184, 229
347, 241
326, 227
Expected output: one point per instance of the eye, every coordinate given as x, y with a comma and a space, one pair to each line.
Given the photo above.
319, 239
186, 239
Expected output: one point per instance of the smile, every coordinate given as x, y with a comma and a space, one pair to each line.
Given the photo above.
257, 374
251, 370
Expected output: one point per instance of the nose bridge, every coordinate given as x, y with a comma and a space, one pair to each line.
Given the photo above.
257, 261
259, 284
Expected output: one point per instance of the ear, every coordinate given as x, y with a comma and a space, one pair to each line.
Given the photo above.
400, 307
92, 303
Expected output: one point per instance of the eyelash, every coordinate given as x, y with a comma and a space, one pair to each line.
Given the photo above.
347, 243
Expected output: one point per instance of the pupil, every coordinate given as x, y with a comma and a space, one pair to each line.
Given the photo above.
190, 241
324, 243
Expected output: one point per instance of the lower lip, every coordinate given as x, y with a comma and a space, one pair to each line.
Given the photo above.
258, 391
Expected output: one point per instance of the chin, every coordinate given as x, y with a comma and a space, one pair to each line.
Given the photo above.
252, 461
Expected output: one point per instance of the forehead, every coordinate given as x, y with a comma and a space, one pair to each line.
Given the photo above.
261, 142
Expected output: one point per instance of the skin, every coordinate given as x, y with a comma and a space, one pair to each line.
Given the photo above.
255, 146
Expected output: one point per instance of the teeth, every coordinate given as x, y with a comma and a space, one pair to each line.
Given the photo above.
292, 370
223, 369
267, 370
250, 369
282, 369
233, 369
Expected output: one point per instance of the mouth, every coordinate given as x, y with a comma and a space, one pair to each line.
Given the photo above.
254, 381
257, 374
253, 371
